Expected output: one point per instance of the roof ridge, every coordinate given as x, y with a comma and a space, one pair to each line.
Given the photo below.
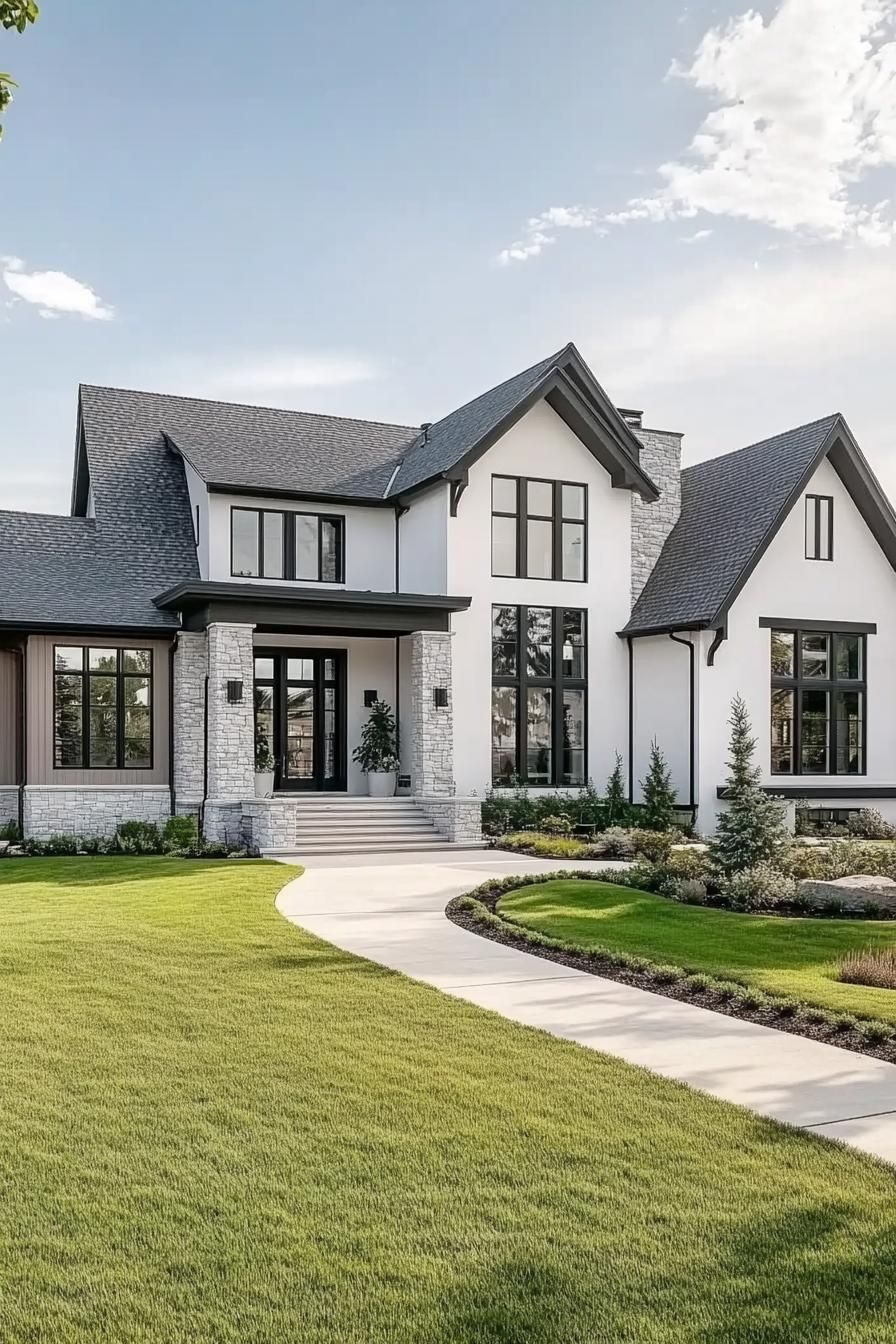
758, 443
521, 373
248, 405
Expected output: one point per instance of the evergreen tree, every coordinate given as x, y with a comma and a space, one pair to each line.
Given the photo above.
616, 800
659, 795
752, 829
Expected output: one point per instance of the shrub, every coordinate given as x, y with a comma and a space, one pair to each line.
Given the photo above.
875, 1032
97, 845
654, 845
688, 890
556, 825
11, 831
139, 837
180, 832
699, 983
504, 813
751, 830
659, 795
870, 966
667, 975
546, 846
869, 824
761, 887
617, 806
614, 843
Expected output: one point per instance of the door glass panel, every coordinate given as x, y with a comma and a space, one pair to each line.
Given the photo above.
329, 669
329, 732
264, 719
300, 732
264, 669
300, 669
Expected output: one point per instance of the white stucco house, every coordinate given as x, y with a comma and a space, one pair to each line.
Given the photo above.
532, 583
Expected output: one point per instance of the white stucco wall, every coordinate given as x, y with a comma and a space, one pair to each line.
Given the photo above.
369, 540
661, 699
423, 542
541, 445
370, 666
199, 511
858, 585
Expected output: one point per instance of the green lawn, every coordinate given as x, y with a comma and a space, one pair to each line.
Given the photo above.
784, 956
215, 1129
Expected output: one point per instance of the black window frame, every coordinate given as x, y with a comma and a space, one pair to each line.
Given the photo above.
288, 559
813, 511
557, 682
556, 518
121, 676
799, 683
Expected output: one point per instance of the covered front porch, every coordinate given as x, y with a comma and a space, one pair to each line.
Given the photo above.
298, 670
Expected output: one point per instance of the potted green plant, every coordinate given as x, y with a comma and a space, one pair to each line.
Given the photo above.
264, 767
376, 754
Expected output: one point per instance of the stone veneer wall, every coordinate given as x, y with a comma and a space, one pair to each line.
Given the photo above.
231, 727
652, 523
9, 805
458, 819
188, 766
432, 752
53, 809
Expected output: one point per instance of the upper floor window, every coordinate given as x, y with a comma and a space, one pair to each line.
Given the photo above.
818, 703
538, 528
102, 708
271, 544
819, 527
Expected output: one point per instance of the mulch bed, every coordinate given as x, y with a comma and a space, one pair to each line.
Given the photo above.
594, 963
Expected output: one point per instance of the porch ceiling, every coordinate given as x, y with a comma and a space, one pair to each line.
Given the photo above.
313, 610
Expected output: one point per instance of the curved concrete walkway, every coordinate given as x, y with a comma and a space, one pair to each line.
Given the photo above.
390, 909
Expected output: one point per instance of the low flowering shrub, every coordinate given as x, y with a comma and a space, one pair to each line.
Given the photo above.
179, 837
874, 966
762, 887
869, 824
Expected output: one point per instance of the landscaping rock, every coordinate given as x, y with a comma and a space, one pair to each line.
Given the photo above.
696, 846
852, 893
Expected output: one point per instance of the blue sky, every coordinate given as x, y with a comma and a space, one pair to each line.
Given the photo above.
380, 209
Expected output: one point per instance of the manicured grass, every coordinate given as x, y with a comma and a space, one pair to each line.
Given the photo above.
797, 957
216, 1129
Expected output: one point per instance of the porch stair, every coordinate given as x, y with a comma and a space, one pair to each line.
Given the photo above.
343, 824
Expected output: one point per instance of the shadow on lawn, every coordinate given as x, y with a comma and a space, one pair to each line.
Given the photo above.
117, 870
801, 1276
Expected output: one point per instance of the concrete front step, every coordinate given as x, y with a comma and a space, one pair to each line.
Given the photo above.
439, 845
348, 834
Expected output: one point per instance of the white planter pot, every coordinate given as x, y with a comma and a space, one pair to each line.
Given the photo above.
381, 783
264, 783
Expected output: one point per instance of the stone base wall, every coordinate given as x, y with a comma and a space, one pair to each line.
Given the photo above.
9, 804
458, 819
55, 810
224, 821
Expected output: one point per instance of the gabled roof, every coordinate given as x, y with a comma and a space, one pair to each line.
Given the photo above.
731, 509
447, 448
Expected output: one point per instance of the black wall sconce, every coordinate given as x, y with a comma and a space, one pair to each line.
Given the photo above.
440, 697
370, 699
234, 692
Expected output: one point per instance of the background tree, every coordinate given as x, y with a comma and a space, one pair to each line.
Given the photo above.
15, 14
752, 829
616, 799
659, 795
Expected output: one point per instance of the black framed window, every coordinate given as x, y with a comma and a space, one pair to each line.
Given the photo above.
818, 702
538, 528
539, 695
273, 544
819, 527
102, 708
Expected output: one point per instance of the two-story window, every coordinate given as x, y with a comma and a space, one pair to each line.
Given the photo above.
102, 708
539, 529
818, 703
819, 527
539, 680
276, 544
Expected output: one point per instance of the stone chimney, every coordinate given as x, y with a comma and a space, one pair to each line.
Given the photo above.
652, 523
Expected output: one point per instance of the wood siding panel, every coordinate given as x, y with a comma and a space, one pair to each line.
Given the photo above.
40, 713
9, 676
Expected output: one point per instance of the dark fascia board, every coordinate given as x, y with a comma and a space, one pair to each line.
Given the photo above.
841, 627
273, 492
616, 424
82, 628
811, 791
863, 487
193, 592
567, 400
309, 618
641, 632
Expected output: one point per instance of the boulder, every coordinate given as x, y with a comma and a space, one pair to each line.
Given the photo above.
695, 846
853, 893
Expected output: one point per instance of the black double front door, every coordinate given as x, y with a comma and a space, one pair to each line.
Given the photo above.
300, 716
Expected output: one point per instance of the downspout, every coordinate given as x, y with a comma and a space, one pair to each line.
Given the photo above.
204, 756
400, 511
692, 757
22, 743
631, 719
171, 794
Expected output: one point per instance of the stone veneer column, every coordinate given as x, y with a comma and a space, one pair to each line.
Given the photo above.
652, 523
432, 755
231, 727
190, 667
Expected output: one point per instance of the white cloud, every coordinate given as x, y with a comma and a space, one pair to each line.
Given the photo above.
53, 292
541, 230
697, 237
259, 375
804, 109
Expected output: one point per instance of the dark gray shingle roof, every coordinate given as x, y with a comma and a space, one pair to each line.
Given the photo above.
259, 447
729, 507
